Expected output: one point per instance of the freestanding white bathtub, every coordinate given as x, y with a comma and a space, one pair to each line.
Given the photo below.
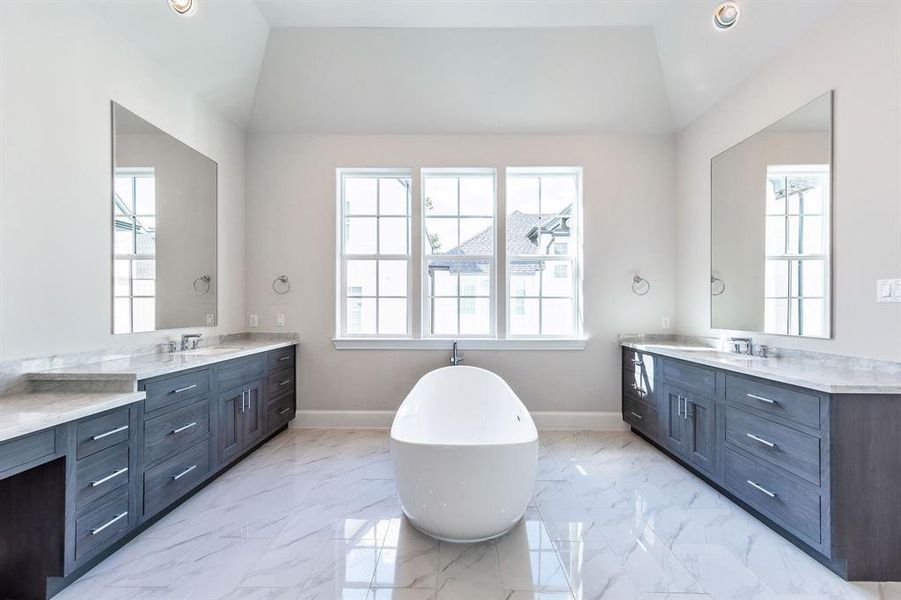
465, 450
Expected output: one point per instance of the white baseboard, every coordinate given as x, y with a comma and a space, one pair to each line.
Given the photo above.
381, 419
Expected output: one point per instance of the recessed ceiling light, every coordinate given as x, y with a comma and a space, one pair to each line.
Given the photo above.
725, 15
185, 8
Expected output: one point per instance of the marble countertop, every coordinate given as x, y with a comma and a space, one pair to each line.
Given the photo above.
21, 414
143, 366
826, 373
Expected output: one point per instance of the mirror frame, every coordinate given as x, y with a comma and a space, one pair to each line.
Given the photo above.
112, 216
828, 230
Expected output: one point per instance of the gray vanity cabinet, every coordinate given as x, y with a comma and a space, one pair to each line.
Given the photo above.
73, 494
254, 414
672, 424
700, 429
240, 418
688, 423
230, 427
820, 469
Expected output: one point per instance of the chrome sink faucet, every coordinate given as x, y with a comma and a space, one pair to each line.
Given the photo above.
742, 345
190, 341
456, 358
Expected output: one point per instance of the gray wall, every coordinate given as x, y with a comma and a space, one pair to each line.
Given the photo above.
859, 57
628, 217
55, 184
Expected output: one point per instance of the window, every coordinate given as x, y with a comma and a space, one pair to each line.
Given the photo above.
542, 252
458, 252
796, 238
134, 251
384, 301
374, 221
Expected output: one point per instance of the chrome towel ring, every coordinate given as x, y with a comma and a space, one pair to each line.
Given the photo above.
640, 285
202, 284
281, 285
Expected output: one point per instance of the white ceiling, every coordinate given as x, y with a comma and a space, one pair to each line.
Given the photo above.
461, 65
462, 13
460, 81
217, 52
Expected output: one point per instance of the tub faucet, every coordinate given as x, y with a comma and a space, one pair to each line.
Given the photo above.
456, 358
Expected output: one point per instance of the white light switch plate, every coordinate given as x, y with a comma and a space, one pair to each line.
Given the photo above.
254, 320
279, 320
210, 320
888, 290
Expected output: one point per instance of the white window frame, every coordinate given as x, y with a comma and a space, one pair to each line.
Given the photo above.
342, 257
792, 257
427, 256
133, 173
575, 257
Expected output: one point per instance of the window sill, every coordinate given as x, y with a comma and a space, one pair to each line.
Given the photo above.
462, 344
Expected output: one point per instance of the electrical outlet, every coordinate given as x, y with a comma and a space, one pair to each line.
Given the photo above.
664, 322
280, 320
254, 320
888, 290
210, 320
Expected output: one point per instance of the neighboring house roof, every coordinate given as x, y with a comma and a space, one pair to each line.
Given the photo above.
523, 236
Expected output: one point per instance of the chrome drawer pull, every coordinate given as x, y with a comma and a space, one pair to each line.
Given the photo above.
103, 480
284, 358
761, 398
766, 443
184, 427
636, 415
284, 410
761, 489
183, 473
112, 521
185, 389
638, 389
100, 436
285, 382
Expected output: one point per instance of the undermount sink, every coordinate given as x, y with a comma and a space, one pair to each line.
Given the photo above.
211, 351
719, 355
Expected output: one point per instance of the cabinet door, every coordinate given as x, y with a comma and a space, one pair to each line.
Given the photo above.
672, 419
230, 423
701, 432
254, 414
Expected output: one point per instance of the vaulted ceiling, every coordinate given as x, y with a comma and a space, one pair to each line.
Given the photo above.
462, 66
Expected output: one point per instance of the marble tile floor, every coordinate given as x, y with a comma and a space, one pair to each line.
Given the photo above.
313, 515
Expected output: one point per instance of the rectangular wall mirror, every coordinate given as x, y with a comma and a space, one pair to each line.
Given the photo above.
770, 228
164, 229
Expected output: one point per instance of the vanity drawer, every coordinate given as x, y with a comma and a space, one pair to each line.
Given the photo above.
240, 371
694, 377
794, 451
170, 480
278, 359
639, 386
98, 527
25, 449
174, 431
281, 383
634, 360
98, 433
640, 416
793, 505
164, 391
793, 404
100, 474
280, 412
